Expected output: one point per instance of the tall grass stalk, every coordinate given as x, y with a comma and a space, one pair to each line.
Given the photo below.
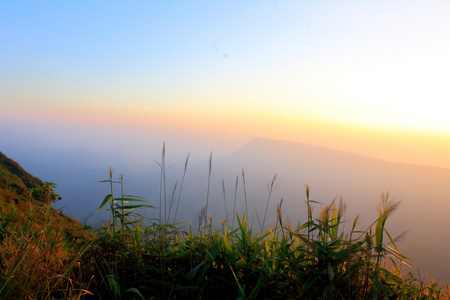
162, 186
181, 187
270, 188
209, 184
235, 197
225, 200
172, 199
111, 171
245, 192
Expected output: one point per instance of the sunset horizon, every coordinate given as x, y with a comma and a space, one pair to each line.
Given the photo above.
359, 77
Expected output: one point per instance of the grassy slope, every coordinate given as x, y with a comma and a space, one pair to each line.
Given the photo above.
15, 181
39, 246
16, 185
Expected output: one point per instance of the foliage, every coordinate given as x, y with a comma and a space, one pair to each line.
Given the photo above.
40, 262
46, 194
44, 256
316, 260
12, 175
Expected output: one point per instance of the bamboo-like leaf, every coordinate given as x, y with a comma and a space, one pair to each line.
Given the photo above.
330, 272
135, 291
209, 256
130, 198
106, 200
399, 256
226, 241
309, 283
226, 224
137, 235
131, 206
109, 180
240, 289
379, 234
113, 284
255, 291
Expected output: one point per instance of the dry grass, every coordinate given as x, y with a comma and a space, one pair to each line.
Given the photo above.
39, 260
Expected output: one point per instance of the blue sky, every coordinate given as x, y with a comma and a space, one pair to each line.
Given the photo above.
255, 67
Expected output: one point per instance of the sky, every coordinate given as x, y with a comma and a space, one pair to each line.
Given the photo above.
362, 76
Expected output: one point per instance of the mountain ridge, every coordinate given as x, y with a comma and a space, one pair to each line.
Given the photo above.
259, 139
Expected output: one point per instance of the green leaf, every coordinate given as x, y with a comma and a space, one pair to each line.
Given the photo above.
395, 246
330, 271
379, 235
130, 206
137, 235
255, 292
241, 290
109, 180
309, 283
190, 276
133, 198
107, 198
136, 291
114, 285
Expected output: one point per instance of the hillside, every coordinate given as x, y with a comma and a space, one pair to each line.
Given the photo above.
15, 182
22, 192
39, 246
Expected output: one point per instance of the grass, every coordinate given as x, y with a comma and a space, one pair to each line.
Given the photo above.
130, 257
40, 258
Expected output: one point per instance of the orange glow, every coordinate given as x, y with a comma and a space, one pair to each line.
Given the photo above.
238, 126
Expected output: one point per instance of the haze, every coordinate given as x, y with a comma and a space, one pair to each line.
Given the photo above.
87, 85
